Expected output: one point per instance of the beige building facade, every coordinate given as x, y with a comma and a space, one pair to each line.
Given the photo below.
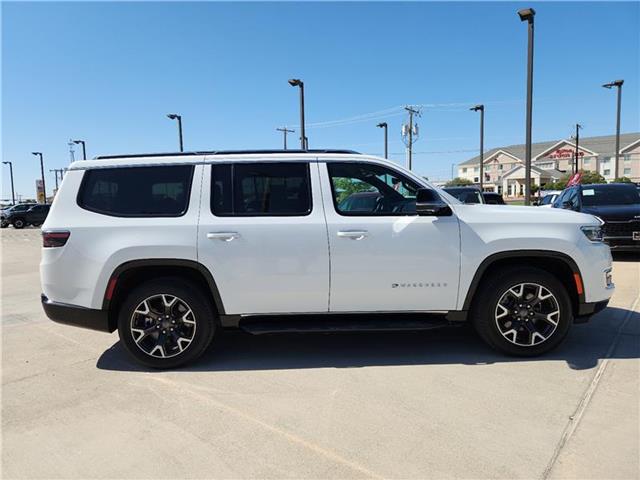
504, 166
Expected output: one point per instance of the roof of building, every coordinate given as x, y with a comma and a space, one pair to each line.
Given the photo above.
603, 145
547, 172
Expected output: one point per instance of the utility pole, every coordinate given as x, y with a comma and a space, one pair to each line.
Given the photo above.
13, 195
386, 142
575, 166
412, 111
285, 130
55, 171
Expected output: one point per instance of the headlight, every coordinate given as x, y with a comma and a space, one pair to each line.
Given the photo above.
593, 233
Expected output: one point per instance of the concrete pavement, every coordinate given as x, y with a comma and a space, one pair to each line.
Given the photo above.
435, 404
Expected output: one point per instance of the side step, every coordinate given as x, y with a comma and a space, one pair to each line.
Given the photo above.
258, 325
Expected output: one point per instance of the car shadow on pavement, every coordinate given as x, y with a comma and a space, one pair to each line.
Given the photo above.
236, 350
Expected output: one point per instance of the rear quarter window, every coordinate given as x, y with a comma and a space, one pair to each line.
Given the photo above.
137, 191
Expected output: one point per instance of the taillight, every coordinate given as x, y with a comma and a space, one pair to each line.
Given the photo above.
55, 239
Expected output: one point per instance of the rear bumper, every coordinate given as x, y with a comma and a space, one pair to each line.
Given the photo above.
77, 316
586, 310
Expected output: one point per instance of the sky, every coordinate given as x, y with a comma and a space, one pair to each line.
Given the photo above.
108, 73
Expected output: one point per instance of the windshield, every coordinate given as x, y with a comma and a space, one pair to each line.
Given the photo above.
547, 199
465, 195
610, 195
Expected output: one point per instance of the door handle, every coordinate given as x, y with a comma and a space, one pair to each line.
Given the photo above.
224, 236
353, 234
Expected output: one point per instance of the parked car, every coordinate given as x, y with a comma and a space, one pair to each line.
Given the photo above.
20, 207
493, 198
616, 204
170, 249
35, 216
465, 194
548, 197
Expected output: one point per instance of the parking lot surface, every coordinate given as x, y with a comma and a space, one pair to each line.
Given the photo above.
435, 404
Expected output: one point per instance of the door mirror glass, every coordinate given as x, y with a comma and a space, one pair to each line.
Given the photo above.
429, 203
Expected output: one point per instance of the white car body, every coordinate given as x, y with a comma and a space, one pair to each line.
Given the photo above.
318, 263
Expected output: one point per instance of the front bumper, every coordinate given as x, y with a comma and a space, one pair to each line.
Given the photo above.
77, 316
586, 310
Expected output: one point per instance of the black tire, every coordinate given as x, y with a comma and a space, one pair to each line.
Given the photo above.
199, 331
4, 224
497, 328
18, 223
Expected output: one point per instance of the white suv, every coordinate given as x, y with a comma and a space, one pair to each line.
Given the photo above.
170, 248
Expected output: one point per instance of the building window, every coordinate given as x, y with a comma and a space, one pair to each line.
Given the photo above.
606, 172
464, 170
586, 161
500, 167
476, 169
627, 158
606, 159
475, 179
627, 171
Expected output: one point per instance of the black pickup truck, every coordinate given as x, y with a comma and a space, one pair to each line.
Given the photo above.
617, 204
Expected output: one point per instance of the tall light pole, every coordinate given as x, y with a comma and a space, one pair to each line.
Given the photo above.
44, 188
13, 195
174, 116
526, 15
577, 137
386, 142
285, 130
296, 82
617, 83
84, 149
480, 108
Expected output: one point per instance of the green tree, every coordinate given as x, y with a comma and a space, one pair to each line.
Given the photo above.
346, 186
622, 180
458, 182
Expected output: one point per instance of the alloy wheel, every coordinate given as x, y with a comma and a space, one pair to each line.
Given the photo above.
163, 325
527, 314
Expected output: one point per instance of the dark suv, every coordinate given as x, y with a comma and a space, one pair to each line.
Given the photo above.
35, 216
20, 207
617, 204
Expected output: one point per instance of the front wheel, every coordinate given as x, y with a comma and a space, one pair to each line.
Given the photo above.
522, 311
18, 223
166, 323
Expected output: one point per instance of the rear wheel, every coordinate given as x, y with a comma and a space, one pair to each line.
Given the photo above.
522, 311
18, 223
166, 323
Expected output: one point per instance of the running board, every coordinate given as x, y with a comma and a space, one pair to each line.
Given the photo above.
341, 323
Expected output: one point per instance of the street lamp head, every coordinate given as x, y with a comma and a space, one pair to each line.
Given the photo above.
382, 125
173, 116
477, 108
77, 142
615, 83
294, 82
6, 163
527, 14
36, 153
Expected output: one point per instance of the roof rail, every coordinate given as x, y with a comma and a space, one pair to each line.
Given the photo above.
221, 152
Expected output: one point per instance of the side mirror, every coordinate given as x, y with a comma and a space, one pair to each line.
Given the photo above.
567, 205
429, 204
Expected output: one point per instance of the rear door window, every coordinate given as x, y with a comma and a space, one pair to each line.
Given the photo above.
161, 191
260, 189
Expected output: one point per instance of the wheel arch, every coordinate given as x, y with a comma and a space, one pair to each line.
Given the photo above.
132, 273
559, 264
